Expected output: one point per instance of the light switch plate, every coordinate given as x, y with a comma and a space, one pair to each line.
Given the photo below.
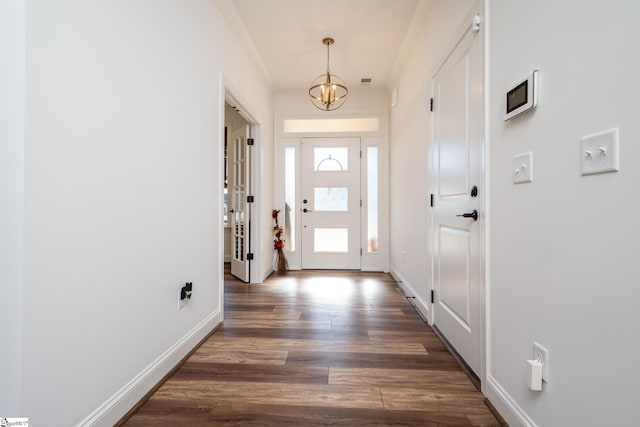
599, 152
522, 168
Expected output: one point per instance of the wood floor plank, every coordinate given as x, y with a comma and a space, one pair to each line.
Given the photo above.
270, 344
308, 334
341, 346
273, 323
241, 357
427, 380
369, 360
316, 348
231, 307
229, 392
274, 415
406, 398
275, 315
197, 371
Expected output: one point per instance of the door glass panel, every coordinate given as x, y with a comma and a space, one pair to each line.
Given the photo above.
289, 198
330, 159
238, 204
331, 125
331, 199
372, 199
331, 240
238, 235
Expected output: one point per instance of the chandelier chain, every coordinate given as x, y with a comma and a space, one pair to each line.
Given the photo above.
328, 72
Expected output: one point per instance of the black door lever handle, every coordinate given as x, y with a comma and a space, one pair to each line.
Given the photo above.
473, 215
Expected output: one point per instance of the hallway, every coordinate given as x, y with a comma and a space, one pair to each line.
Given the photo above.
317, 348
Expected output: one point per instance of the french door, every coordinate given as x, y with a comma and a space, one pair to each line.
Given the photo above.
239, 185
330, 213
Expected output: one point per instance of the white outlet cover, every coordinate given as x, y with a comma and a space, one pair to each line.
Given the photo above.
522, 168
599, 152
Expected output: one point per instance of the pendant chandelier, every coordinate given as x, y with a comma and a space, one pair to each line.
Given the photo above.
328, 91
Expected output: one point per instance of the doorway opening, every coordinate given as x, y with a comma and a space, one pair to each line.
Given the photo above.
331, 178
238, 198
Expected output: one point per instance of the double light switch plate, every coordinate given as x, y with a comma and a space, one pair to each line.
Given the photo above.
599, 152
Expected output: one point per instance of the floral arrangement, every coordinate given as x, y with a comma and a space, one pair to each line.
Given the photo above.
278, 244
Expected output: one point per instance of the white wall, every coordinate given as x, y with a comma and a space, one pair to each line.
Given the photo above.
12, 84
564, 249
123, 195
431, 32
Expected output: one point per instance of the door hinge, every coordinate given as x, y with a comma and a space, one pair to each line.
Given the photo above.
250, 199
431, 200
431, 104
249, 256
360, 153
475, 24
360, 251
360, 202
433, 296
250, 141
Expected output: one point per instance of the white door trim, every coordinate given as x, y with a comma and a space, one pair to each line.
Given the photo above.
371, 261
227, 93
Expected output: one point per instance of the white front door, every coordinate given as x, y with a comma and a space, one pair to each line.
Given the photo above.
239, 185
330, 203
458, 167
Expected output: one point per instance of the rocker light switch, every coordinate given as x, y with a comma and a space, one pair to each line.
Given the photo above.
522, 168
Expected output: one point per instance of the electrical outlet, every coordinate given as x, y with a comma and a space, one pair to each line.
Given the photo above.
181, 301
542, 354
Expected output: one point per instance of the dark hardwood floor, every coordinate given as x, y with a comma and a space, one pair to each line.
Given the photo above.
318, 348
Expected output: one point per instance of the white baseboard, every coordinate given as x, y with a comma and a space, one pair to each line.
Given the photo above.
112, 410
409, 290
506, 406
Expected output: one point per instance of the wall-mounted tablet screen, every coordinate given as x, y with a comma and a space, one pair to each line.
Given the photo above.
517, 96
522, 96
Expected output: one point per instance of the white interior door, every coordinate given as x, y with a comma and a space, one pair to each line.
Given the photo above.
458, 258
330, 175
239, 185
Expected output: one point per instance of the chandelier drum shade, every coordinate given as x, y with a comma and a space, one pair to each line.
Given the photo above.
328, 91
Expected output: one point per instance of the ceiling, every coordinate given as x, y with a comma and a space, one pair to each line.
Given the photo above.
287, 35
